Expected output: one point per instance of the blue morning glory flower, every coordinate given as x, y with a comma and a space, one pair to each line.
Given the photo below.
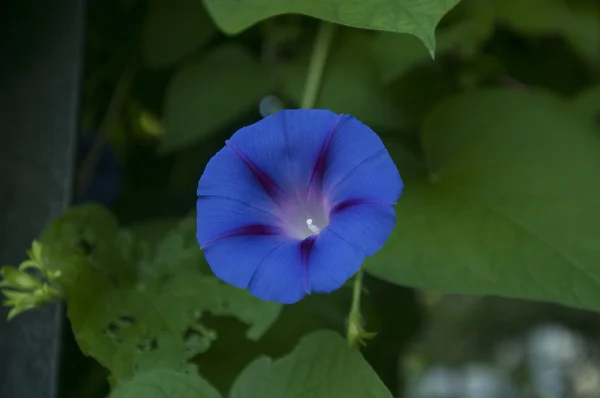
293, 203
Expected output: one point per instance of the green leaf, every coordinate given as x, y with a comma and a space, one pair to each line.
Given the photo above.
322, 365
165, 247
506, 204
417, 17
395, 53
86, 248
579, 24
588, 105
165, 384
350, 83
174, 29
210, 92
136, 298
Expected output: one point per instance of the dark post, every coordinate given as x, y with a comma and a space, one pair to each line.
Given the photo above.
41, 48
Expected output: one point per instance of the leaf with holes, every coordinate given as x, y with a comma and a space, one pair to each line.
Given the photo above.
165, 384
87, 248
507, 203
135, 298
322, 365
417, 17
165, 247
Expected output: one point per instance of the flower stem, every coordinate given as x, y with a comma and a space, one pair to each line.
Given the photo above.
317, 64
356, 334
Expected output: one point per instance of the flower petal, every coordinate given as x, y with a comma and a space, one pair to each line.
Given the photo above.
366, 225
219, 218
332, 261
227, 176
286, 145
235, 259
376, 178
359, 166
281, 276
235, 237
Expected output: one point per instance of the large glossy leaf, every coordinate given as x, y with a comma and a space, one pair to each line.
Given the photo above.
417, 17
322, 365
506, 204
211, 91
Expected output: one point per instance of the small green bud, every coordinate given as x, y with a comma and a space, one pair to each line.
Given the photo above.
356, 334
35, 258
17, 279
36, 252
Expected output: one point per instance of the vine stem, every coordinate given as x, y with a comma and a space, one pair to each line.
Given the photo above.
317, 64
356, 292
355, 333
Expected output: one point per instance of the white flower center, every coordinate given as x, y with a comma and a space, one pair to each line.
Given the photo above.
313, 228
302, 218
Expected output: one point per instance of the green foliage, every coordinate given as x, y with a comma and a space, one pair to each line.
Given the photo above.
215, 88
578, 24
322, 365
505, 204
350, 83
210, 92
136, 298
165, 383
174, 29
586, 104
417, 17
395, 54
25, 291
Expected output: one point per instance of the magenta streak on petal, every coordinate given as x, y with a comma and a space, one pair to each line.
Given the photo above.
265, 181
316, 178
243, 203
252, 229
305, 248
356, 202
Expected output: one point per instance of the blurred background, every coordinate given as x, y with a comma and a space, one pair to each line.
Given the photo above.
162, 89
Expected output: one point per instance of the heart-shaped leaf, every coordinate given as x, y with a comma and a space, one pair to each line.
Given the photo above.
507, 203
417, 17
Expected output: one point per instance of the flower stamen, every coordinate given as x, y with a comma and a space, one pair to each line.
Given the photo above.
313, 228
